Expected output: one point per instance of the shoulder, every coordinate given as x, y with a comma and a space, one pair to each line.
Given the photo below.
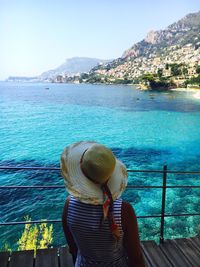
127, 207
66, 207
128, 214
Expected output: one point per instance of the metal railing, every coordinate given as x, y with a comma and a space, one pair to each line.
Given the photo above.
164, 187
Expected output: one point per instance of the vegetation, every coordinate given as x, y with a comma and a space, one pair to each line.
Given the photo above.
152, 81
147, 77
5, 248
156, 81
94, 79
123, 81
194, 80
175, 69
35, 236
198, 69
160, 73
160, 84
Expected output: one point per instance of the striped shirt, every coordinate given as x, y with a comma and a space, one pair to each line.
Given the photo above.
96, 245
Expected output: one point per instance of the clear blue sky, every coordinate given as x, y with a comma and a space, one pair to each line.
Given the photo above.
38, 35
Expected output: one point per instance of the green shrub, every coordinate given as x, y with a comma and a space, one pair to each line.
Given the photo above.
35, 236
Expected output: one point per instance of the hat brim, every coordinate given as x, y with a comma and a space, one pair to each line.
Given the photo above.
78, 185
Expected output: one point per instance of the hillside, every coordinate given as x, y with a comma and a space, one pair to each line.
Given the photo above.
186, 30
170, 56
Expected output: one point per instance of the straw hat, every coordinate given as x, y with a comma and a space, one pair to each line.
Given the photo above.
86, 165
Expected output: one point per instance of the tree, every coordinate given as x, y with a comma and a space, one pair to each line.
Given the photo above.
198, 69
185, 71
160, 73
35, 236
175, 69
147, 77
194, 80
84, 76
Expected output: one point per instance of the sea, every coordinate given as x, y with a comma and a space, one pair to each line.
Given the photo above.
145, 129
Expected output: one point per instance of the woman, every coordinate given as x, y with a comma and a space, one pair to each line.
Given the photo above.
100, 228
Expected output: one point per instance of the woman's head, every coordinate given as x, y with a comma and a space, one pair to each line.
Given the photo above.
86, 165
98, 163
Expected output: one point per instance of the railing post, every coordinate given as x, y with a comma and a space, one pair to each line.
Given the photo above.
162, 222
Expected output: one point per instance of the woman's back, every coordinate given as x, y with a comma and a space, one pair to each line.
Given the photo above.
95, 241
100, 229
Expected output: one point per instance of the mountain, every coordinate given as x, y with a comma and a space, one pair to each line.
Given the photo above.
186, 30
73, 66
171, 55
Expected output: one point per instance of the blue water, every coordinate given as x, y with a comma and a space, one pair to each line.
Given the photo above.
145, 129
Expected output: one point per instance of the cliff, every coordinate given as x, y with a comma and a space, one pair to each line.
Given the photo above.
186, 30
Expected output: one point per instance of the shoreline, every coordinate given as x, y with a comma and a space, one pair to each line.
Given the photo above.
186, 89
196, 91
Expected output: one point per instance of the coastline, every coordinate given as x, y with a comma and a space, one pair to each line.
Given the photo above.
196, 91
186, 89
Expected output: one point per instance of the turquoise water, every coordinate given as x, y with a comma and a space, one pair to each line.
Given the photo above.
144, 129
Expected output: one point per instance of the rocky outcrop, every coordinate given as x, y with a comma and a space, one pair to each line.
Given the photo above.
152, 37
186, 30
